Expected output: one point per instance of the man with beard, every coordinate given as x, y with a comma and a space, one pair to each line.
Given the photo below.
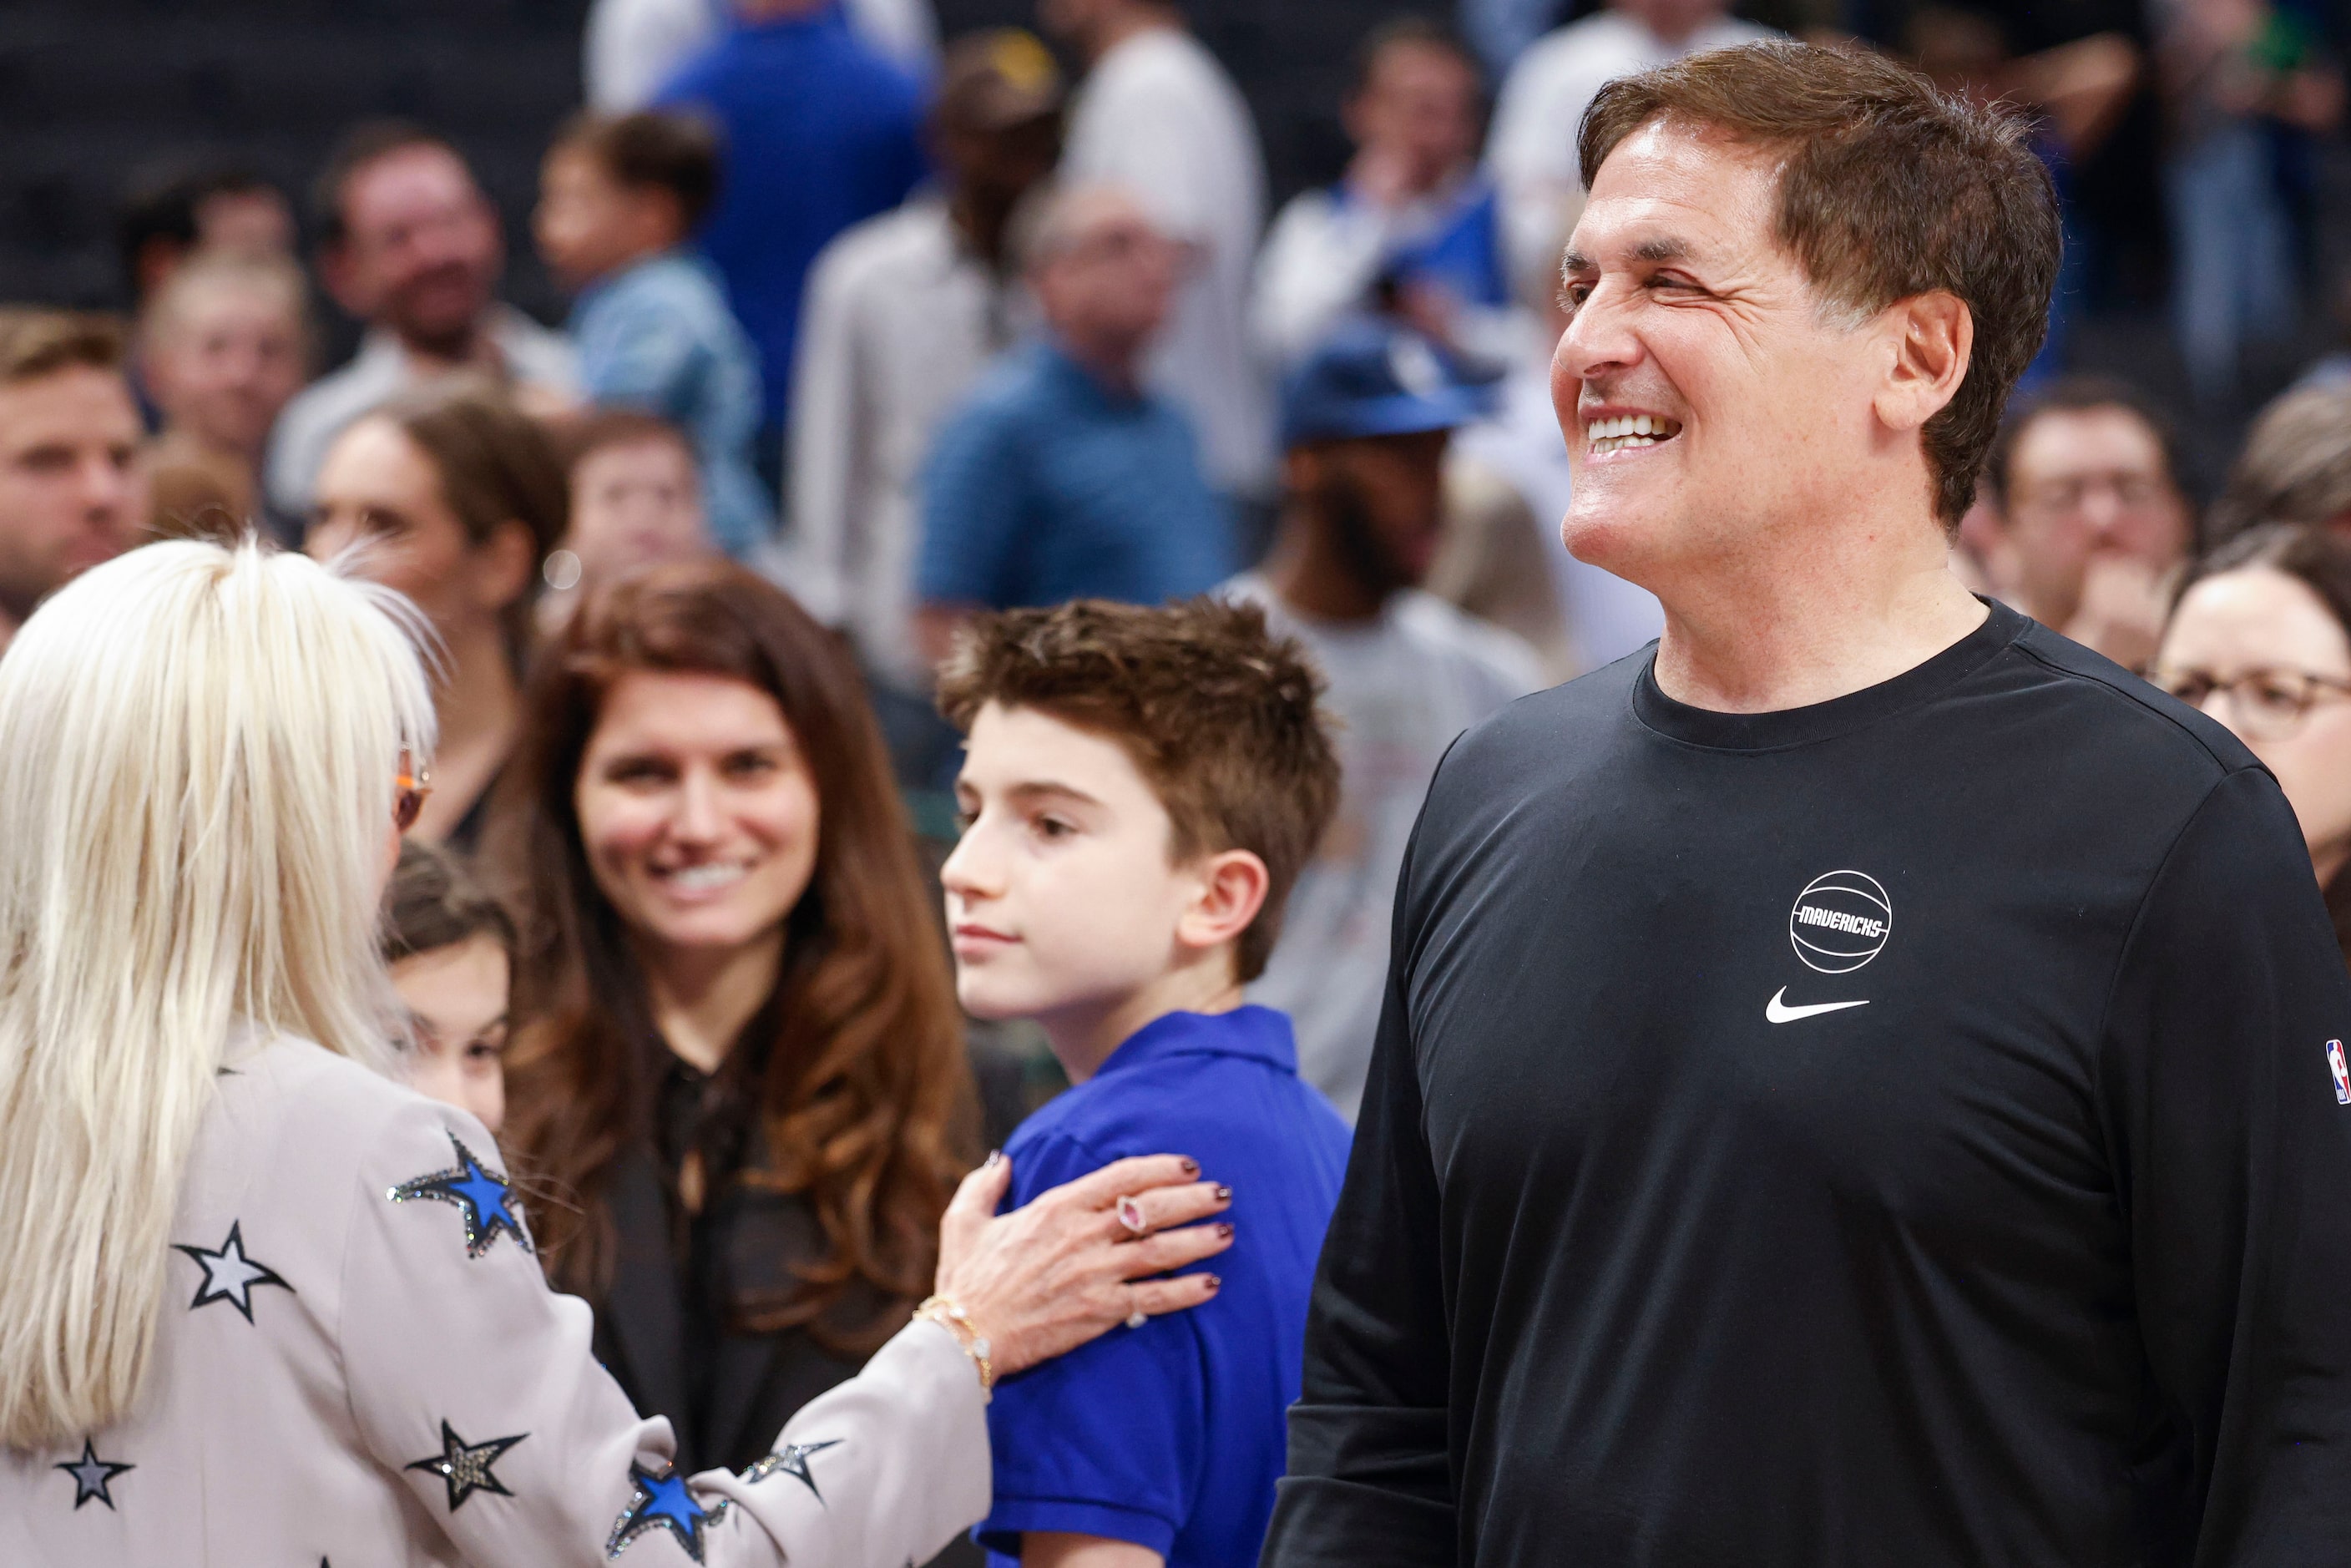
1856, 1084
1366, 423
410, 246
70, 494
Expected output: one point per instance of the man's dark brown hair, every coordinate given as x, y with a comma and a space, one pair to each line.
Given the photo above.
577, 440
1887, 189
2079, 395
36, 343
1408, 32
1218, 714
357, 147
651, 150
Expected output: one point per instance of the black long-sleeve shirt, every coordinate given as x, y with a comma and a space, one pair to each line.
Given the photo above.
1903, 1130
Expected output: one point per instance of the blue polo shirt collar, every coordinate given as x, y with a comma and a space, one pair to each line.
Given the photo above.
1253, 1033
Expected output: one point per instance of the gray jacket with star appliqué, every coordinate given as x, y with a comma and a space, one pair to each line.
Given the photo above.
360, 1363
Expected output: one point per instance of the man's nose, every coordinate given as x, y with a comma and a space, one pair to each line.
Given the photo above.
1599, 338
107, 486
2102, 511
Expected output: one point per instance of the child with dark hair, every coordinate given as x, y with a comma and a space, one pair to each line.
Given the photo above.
1140, 790
636, 502
451, 948
620, 199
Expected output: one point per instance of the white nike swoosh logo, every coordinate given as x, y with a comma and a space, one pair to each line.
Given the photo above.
1779, 1012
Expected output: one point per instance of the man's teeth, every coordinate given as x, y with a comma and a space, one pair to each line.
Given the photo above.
703, 878
1629, 429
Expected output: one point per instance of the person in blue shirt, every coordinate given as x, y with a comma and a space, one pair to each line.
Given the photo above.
1061, 478
1141, 788
618, 197
822, 130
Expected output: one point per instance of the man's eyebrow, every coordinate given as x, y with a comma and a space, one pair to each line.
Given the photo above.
1665, 247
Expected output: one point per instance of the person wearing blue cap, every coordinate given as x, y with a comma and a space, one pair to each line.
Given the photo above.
1366, 422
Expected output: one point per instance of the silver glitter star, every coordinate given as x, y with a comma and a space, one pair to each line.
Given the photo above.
465, 1467
91, 1475
792, 1459
229, 1274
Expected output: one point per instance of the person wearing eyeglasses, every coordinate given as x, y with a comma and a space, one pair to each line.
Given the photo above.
2260, 640
2082, 518
262, 1304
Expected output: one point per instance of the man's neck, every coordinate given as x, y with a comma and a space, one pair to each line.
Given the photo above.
441, 355
1083, 1035
1774, 641
1113, 367
1308, 572
980, 218
1131, 22
703, 998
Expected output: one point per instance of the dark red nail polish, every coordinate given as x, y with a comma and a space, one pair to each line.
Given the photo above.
1224, 1194
1225, 1231
1191, 1167
1214, 1283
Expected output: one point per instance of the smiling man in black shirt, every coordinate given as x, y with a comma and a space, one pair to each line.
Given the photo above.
1862, 1083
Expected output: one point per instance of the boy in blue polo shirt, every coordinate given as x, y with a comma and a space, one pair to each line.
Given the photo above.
1141, 788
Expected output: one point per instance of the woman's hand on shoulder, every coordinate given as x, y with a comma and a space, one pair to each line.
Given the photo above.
1079, 1260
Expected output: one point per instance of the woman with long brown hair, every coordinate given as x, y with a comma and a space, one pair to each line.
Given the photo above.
460, 495
746, 1102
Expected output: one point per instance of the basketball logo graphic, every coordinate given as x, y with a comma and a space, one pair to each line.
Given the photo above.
1841, 921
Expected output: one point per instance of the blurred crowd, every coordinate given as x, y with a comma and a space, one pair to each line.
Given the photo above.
911, 331
915, 331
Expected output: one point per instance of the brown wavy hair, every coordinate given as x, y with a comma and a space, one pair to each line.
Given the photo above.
851, 1085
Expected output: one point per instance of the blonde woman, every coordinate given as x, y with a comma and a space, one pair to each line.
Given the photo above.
259, 1303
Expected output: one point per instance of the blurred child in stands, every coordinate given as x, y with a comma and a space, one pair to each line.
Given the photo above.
636, 501
451, 948
619, 199
225, 346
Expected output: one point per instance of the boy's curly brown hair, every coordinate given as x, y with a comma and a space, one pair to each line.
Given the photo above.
1218, 714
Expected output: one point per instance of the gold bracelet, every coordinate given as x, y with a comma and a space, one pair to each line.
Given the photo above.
950, 1316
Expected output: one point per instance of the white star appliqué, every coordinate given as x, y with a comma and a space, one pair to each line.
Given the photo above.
229, 1275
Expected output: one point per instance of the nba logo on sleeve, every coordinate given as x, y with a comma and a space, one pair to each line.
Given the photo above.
2342, 1073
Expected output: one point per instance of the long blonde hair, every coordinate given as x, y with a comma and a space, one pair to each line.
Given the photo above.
198, 748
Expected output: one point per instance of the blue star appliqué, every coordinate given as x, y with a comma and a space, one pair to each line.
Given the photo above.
91, 1475
660, 1502
481, 1193
792, 1459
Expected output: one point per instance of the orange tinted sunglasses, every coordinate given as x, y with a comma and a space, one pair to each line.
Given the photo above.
410, 791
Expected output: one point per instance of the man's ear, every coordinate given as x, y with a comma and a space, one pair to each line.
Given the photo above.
508, 557
1934, 337
1233, 886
